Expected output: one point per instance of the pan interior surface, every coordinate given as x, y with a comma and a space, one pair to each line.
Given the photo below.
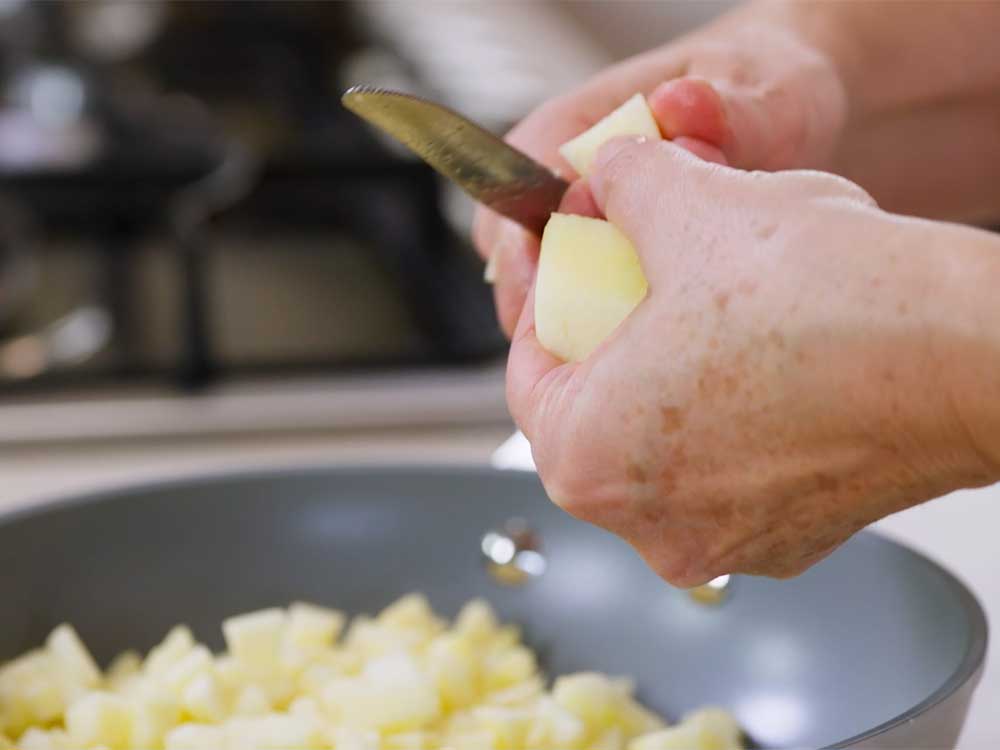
857, 641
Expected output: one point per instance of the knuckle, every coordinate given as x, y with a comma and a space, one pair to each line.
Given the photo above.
817, 184
682, 572
566, 490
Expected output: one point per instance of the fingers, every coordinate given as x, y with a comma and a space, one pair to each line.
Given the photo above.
580, 201
692, 108
512, 267
530, 371
728, 117
702, 149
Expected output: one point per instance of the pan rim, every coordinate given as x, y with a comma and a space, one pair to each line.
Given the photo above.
968, 672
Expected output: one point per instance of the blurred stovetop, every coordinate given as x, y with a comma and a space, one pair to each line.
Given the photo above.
186, 205
196, 238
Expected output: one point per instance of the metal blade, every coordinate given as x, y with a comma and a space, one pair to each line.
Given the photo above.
492, 172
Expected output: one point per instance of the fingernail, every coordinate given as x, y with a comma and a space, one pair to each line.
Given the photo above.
508, 234
490, 273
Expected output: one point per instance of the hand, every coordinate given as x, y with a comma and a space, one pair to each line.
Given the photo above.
747, 91
784, 383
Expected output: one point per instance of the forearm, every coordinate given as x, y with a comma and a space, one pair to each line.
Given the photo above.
899, 56
923, 98
962, 313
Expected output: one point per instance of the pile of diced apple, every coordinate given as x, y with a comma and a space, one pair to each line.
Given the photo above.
589, 277
404, 680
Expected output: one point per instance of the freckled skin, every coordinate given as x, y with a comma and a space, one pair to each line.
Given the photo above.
748, 439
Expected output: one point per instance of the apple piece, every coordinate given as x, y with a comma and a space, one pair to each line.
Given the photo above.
99, 719
313, 628
72, 657
589, 280
196, 737
254, 639
634, 117
203, 699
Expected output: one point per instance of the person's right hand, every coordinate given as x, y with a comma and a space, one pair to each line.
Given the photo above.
803, 364
747, 90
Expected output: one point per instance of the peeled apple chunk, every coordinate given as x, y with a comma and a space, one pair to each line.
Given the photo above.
634, 117
589, 280
589, 277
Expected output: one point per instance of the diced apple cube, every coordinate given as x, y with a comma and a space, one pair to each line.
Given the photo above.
351, 738
509, 667
610, 739
554, 726
589, 280
476, 620
41, 739
591, 696
274, 732
252, 701
410, 741
313, 628
203, 699
100, 719
31, 692
254, 639
194, 663
174, 647
154, 712
393, 707
72, 658
707, 729
413, 614
522, 693
124, 668
634, 117
196, 737
454, 669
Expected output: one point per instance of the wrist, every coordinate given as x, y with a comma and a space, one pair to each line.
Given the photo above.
965, 337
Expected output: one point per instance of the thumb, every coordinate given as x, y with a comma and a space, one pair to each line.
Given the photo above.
651, 191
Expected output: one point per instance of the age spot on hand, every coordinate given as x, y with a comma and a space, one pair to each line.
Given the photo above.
766, 231
635, 473
672, 419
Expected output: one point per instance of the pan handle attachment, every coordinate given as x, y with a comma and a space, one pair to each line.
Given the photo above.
513, 553
515, 454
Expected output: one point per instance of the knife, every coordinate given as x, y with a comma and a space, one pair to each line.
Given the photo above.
488, 169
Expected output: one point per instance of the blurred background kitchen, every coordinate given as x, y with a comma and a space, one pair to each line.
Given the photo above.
197, 240
205, 263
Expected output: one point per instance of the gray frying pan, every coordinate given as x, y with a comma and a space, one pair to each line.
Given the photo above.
876, 647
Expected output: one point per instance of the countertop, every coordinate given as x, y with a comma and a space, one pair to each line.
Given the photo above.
959, 531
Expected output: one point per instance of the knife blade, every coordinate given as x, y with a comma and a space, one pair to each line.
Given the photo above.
488, 169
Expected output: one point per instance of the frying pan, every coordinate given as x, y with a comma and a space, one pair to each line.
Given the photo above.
876, 647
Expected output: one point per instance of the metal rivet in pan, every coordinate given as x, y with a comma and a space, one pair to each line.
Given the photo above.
713, 592
513, 554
